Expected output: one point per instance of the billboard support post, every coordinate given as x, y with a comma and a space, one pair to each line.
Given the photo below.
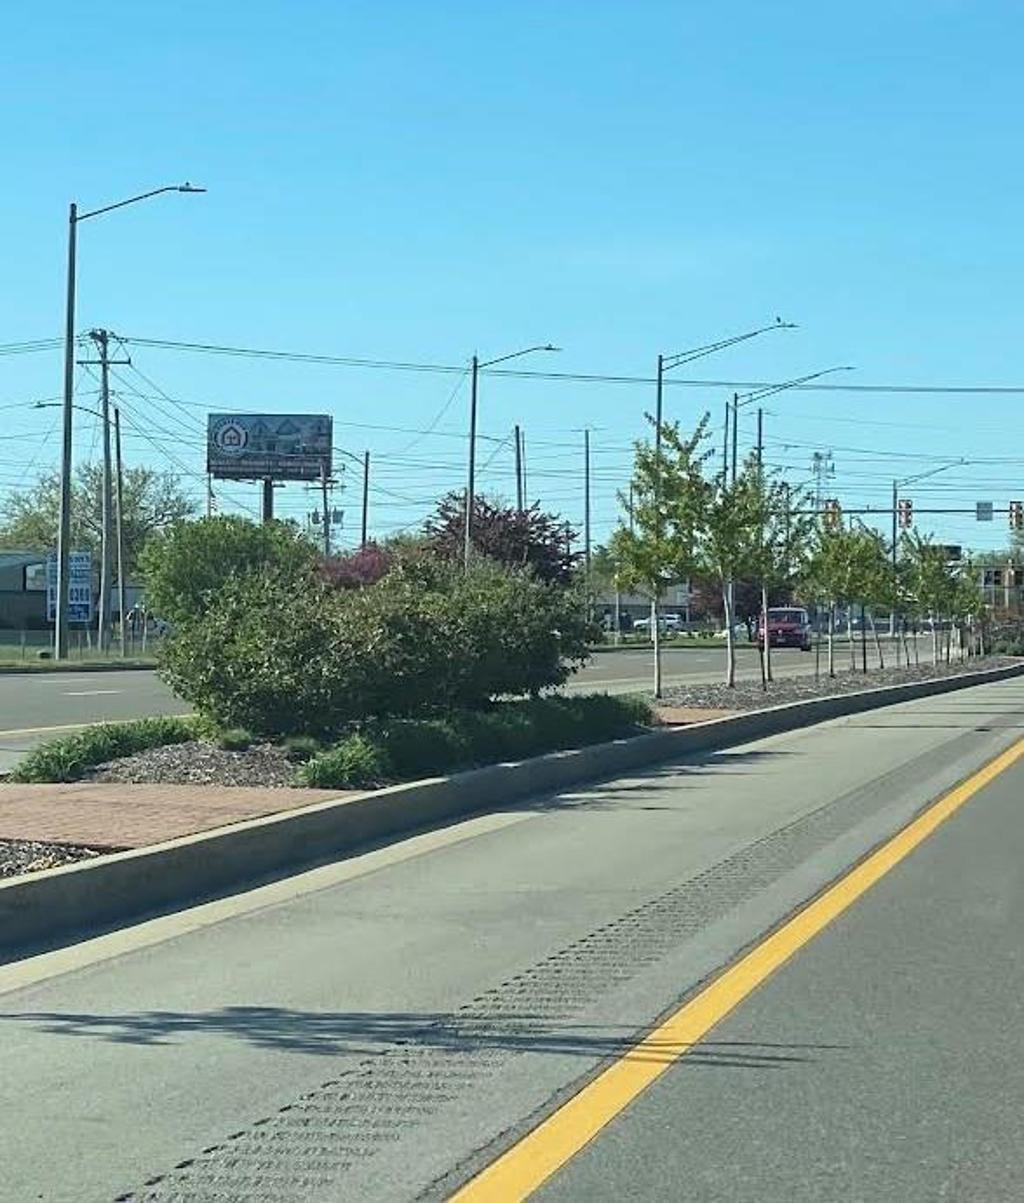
268, 500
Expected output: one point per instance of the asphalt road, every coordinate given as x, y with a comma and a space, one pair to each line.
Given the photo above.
39, 706
382, 1028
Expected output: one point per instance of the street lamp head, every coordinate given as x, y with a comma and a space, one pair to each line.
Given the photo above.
549, 347
785, 325
187, 187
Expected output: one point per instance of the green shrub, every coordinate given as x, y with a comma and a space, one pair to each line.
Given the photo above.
284, 656
300, 748
234, 739
408, 749
353, 764
67, 758
186, 566
423, 747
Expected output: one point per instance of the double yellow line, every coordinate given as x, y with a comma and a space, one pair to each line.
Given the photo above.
517, 1173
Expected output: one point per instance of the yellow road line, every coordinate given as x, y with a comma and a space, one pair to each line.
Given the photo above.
517, 1173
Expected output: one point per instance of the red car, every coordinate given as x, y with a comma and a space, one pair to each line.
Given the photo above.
788, 626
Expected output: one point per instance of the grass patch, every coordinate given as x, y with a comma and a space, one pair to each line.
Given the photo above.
234, 739
67, 758
407, 749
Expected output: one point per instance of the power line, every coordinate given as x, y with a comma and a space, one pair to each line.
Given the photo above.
578, 377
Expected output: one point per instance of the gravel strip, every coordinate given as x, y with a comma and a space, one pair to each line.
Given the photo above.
199, 763
29, 856
748, 695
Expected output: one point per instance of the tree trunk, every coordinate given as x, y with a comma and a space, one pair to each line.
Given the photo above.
878, 642
917, 649
935, 639
656, 641
832, 639
849, 637
906, 641
766, 668
730, 649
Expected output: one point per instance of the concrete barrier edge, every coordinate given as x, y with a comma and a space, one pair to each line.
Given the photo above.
62, 905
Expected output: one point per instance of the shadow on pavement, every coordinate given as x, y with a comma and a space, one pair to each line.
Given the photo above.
363, 1033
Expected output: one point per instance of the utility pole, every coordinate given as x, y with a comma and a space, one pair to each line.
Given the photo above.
103, 610
895, 567
760, 437
522, 467
100, 337
735, 433
121, 591
586, 501
725, 443
324, 483
467, 522
519, 470
268, 500
209, 495
366, 496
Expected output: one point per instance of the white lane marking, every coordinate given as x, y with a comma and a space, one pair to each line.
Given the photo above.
90, 693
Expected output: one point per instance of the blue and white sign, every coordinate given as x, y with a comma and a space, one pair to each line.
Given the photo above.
79, 587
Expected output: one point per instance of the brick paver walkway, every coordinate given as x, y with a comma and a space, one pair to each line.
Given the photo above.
129, 816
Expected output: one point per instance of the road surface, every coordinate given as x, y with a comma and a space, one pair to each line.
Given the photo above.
386, 1027
38, 706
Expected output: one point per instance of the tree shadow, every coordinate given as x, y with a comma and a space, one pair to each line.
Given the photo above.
679, 774
357, 1033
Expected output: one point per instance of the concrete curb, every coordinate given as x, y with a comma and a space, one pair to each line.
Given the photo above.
60, 906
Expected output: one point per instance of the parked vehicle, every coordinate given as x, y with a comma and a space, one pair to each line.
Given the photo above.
666, 622
788, 626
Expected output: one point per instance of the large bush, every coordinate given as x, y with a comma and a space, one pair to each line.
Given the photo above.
186, 566
280, 654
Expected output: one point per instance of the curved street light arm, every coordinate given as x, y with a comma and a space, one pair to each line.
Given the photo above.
186, 187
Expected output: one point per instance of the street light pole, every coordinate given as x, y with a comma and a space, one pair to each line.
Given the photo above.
471, 473
60, 651
64, 524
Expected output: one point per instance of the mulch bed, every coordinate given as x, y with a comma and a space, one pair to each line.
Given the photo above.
29, 856
748, 695
200, 763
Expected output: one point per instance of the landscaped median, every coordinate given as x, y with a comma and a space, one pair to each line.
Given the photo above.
60, 905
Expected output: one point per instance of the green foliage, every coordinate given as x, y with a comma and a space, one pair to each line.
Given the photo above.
186, 566
234, 739
300, 748
152, 500
408, 749
280, 658
659, 546
355, 763
67, 758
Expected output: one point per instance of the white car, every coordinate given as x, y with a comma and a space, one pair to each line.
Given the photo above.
666, 622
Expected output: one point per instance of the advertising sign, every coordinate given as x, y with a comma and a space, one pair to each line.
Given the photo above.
79, 587
984, 511
268, 446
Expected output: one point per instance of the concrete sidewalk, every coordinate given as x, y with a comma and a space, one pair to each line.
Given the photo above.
131, 816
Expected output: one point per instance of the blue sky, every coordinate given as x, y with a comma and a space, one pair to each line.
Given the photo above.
413, 181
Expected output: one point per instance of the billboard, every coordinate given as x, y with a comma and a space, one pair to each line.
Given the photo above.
79, 587
268, 446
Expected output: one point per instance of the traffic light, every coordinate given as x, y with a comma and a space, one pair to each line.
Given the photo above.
833, 514
1016, 515
905, 512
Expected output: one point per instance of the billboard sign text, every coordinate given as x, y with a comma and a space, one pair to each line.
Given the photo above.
268, 446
